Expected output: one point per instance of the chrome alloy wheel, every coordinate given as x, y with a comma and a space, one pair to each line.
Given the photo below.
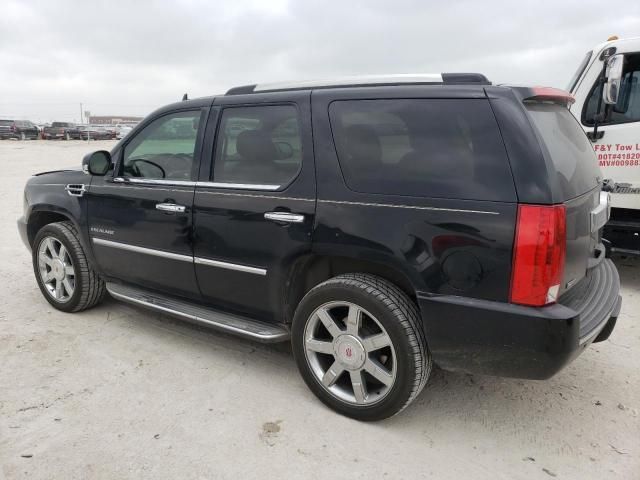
56, 269
350, 353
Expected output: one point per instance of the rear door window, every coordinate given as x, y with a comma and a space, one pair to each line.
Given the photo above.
258, 145
447, 148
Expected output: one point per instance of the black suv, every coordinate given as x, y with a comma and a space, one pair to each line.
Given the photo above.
380, 224
20, 129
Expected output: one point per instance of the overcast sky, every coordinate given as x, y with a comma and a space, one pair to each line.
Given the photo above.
129, 57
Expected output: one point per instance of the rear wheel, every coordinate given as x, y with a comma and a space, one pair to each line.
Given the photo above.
360, 347
62, 271
23, 136
67, 136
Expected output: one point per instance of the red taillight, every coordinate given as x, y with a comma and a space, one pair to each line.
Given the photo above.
538, 254
13, 128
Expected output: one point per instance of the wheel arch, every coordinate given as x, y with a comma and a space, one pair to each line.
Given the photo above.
310, 270
40, 218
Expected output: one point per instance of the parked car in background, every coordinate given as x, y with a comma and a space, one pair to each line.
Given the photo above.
123, 130
111, 129
61, 130
19, 129
93, 132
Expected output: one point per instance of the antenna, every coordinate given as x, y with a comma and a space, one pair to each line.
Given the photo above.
185, 97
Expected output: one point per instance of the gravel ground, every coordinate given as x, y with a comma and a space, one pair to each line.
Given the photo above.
120, 392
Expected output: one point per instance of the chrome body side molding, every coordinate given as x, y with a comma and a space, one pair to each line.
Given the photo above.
230, 266
177, 256
137, 249
187, 183
413, 207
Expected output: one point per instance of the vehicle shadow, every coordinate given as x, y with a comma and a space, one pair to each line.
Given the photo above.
629, 269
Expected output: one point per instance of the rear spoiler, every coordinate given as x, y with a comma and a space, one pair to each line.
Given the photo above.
549, 94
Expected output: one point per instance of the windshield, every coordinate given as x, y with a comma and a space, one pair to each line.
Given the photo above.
576, 76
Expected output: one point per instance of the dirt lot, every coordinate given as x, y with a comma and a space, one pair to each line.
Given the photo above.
119, 392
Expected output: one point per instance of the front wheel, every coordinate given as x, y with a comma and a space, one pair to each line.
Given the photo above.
360, 346
62, 270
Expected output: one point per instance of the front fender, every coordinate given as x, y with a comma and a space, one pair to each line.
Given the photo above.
47, 203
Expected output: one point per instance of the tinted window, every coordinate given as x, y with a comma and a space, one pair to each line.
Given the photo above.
6, 122
568, 147
258, 145
61, 124
447, 148
628, 107
164, 149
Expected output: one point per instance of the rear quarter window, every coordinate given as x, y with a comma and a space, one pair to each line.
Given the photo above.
447, 148
567, 147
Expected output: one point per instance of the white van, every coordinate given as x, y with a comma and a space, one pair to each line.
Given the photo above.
611, 118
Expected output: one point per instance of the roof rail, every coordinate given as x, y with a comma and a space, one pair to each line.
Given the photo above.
367, 81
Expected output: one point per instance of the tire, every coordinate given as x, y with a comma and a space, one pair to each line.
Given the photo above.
88, 289
384, 309
23, 136
67, 136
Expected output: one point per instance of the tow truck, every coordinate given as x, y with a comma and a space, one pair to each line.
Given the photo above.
606, 87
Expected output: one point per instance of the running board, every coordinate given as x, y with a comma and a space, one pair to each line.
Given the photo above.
234, 324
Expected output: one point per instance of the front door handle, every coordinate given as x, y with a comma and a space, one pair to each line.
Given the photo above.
284, 217
170, 207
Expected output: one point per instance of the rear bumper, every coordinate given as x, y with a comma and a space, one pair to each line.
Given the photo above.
503, 339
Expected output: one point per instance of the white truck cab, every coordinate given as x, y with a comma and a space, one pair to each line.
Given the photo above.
606, 88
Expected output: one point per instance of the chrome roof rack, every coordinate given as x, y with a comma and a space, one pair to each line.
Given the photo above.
367, 81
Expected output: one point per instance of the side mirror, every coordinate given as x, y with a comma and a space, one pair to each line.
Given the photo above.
611, 89
97, 163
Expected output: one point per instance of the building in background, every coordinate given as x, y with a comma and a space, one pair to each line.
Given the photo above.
113, 119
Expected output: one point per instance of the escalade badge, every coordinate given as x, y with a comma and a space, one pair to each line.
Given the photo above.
101, 230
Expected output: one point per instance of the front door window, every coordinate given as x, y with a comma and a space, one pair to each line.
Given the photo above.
164, 149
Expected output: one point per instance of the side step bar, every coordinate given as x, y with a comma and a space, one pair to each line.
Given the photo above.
234, 324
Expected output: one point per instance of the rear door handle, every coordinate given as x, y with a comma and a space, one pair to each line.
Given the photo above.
170, 207
284, 217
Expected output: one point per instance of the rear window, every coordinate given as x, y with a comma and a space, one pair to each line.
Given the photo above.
568, 148
60, 124
448, 148
6, 122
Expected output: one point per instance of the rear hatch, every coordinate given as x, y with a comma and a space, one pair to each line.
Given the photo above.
576, 178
